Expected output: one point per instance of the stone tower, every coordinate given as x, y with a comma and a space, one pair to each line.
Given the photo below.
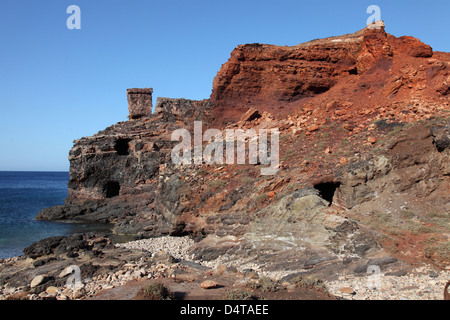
139, 102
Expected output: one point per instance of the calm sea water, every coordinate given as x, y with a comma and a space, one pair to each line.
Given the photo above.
22, 196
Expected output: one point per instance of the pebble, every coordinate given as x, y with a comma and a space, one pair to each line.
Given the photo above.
209, 284
291, 287
347, 290
372, 140
52, 290
313, 128
38, 280
221, 269
77, 295
433, 274
424, 283
65, 272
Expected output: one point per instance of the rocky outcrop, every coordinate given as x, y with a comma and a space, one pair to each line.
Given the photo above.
115, 174
301, 223
352, 148
414, 164
46, 268
169, 109
441, 137
281, 80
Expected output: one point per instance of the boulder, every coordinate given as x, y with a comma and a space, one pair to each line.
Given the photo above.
209, 284
441, 137
38, 280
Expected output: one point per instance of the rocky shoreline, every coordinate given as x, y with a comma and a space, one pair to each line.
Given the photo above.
169, 258
421, 283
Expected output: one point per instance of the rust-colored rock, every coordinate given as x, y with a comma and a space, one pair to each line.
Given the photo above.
313, 128
209, 284
250, 115
372, 140
347, 290
372, 66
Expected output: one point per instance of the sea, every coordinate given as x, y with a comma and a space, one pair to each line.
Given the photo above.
22, 196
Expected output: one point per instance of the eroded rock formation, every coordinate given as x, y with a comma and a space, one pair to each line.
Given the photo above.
364, 150
281, 80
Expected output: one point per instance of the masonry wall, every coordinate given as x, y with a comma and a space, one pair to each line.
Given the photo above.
139, 102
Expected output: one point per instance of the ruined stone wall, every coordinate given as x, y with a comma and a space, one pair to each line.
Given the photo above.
139, 102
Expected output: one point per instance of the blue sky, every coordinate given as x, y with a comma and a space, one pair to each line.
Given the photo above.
57, 85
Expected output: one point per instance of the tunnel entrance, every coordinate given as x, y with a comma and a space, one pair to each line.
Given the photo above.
112, 189
327, 190
122, 147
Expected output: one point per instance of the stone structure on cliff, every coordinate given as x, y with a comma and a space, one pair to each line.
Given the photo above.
139, 102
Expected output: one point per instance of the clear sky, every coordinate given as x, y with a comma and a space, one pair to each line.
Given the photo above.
57, 85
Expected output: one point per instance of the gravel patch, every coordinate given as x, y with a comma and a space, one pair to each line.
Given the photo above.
423, 283
177, 247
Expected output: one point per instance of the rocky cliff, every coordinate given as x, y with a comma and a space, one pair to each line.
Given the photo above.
366, 70
364, 148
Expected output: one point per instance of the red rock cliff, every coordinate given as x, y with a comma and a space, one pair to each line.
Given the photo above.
281, 79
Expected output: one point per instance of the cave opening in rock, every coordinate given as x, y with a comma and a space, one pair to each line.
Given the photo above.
353, 71
122, 147
327, 190
112, 189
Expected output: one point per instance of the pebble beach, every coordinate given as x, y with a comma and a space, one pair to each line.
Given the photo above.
423, 283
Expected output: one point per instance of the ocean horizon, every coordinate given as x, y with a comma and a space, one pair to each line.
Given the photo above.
22, 195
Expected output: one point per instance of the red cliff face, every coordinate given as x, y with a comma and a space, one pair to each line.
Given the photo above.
281, 80
352, 152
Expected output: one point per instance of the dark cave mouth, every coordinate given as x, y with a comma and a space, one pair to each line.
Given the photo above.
112, 189
327, 190
122, 147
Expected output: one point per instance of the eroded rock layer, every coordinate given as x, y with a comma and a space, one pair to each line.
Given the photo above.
364, 152
353, 68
